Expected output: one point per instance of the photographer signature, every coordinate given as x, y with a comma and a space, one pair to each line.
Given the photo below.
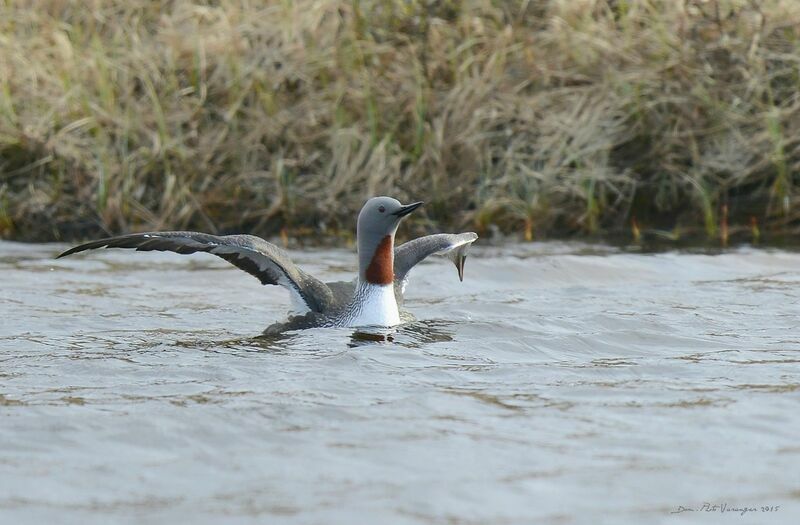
724, 508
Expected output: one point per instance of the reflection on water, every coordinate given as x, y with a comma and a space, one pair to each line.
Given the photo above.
414, 334
558, 384
365, 337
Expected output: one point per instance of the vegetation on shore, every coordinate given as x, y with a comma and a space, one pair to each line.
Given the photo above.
540, 118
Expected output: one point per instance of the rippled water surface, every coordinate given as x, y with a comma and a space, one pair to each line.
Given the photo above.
556, 384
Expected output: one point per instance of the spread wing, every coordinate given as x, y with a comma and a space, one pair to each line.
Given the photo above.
254, 255
454, 246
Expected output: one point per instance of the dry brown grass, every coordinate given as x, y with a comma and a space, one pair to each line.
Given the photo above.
540, 117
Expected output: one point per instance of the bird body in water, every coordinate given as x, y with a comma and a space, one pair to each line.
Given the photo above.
372, 299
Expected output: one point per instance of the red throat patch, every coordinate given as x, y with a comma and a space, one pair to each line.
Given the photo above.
381, 268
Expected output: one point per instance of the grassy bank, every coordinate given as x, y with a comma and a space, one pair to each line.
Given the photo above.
541, 118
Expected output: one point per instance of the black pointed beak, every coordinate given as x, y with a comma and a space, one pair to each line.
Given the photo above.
460, 266
407, 208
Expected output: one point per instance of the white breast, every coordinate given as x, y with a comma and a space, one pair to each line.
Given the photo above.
373, 305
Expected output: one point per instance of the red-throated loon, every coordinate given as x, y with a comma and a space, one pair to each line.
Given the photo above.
371, 300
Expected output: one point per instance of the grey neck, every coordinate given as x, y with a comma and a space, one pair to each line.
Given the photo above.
365, 252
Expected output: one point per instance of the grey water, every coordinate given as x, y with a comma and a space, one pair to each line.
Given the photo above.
559, 383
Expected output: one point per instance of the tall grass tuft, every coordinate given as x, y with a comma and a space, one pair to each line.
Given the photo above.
541, 118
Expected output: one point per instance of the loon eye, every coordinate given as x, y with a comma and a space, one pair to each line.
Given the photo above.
381, 209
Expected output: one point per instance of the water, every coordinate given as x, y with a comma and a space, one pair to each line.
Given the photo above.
556, 384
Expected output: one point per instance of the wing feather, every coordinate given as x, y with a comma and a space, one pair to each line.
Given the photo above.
268, 263
452, 245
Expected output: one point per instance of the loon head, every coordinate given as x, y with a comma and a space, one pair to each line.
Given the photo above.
377, 224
